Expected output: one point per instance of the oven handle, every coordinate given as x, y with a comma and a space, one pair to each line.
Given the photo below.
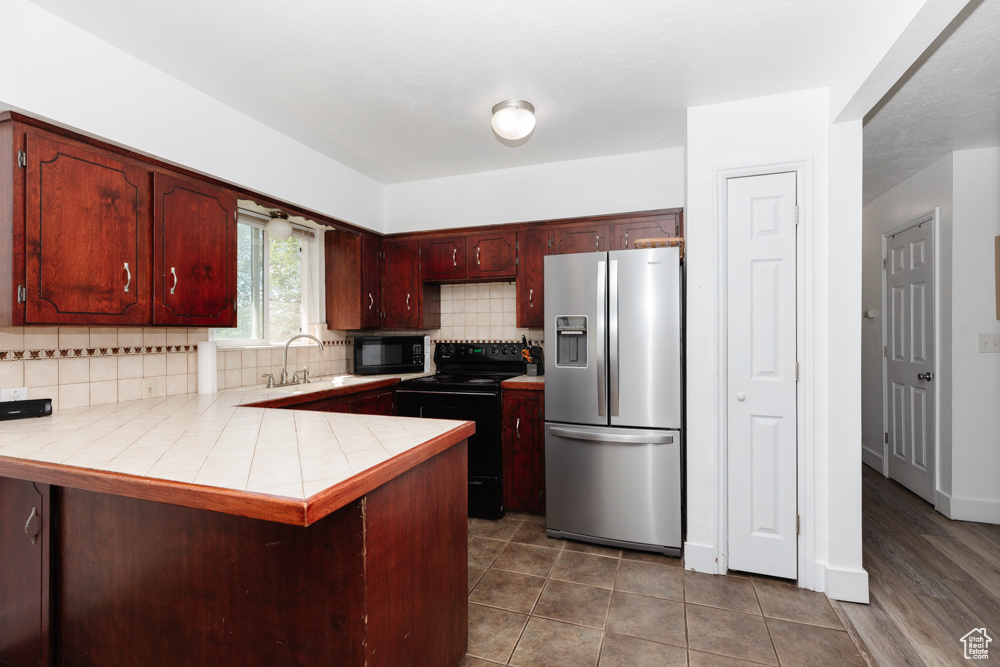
448, 393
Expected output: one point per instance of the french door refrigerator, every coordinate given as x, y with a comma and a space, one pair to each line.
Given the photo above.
613, 391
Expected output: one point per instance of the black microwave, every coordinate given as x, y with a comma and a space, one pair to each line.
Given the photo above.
381, 355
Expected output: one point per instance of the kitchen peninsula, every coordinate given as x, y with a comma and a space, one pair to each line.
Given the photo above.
198, 530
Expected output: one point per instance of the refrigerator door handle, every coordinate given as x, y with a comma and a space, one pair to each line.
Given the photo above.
642, 439
599, 338
613, 334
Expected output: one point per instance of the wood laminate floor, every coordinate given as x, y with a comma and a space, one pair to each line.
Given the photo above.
931, 580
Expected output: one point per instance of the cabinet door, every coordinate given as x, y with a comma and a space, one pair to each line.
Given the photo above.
532, 246
491, 255
87, 246
523, 461
579, 238
401, 283
371, 282
442, 258
24, 566
194, 253
626, 233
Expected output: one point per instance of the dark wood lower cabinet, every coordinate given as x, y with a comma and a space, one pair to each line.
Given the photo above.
373, 402
381, 581
524, 450
24, 573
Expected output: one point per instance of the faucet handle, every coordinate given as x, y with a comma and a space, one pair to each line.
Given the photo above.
270, 380
305, 374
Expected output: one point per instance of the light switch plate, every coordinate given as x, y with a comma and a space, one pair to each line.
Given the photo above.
17, 394
989, 343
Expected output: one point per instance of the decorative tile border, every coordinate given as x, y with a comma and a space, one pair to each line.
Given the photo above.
75, 353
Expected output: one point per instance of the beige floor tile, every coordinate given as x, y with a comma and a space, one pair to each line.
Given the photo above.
574, 603
584, 568
546, 643
531, 532
507, 590
700, 659
470, 661
493, 633
650, 579
722, 591
475, 574
483, 551
650, 557
791, 603
798, 644
729, 633
527, 559
597, 549
502, 529
647, 618
621, 651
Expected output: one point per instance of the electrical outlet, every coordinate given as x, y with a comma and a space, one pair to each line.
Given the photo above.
989, 343
18, 394
149, 387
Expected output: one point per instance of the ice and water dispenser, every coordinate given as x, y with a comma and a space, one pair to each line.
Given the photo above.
571, 340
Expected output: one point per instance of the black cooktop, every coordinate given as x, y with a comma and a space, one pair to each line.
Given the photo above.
470, 366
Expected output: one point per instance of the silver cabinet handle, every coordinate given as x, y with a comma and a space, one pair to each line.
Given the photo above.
626, 438
407, 300
477, 256
28, 530
454, 254
172, 271
371, 301
517, 427
129, 273
531, 298
602, 400
926, 377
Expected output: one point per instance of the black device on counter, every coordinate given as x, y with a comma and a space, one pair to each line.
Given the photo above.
379, 355
33, 407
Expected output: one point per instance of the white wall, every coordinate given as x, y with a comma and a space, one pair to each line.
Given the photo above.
55, 70
911, 199
616, 184
975, 376
790, 129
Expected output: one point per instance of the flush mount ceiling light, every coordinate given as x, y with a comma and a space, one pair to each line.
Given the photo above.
513, 121
278, 227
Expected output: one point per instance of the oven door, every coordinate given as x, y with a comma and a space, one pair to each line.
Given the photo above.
485, 462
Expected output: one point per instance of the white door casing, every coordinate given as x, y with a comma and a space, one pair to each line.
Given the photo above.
909, 304
761, 374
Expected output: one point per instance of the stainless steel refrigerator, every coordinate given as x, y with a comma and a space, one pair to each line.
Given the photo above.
613, 391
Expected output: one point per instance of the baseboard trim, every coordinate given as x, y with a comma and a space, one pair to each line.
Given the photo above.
700, 558
872, 459
975, 509
942, 503
847, 585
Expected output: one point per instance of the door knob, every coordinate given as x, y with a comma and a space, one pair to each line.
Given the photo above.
740, 396
926, 377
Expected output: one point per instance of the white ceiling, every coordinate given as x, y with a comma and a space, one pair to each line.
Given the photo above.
949, 101
401, 90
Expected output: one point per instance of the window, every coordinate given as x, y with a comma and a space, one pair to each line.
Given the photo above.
273, 285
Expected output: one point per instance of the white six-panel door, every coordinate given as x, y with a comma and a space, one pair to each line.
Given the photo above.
761, 374
910, 351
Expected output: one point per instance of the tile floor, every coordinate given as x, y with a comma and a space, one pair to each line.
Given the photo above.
537, 602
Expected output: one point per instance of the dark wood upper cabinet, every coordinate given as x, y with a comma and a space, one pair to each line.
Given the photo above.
532, 246
24, 573
580, 237
353, 280
401, 283
87, 236
667, 224
491, 255
442, 258
194, 253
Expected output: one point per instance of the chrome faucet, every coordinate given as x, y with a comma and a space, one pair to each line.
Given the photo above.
284, 358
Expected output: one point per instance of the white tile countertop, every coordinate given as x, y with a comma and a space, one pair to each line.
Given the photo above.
212, 446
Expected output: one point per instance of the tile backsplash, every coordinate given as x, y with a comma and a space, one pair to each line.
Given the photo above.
80, 366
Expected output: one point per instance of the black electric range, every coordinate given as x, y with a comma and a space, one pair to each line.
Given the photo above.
467, 387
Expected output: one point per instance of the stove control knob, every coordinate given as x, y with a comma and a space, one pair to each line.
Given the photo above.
494, 350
